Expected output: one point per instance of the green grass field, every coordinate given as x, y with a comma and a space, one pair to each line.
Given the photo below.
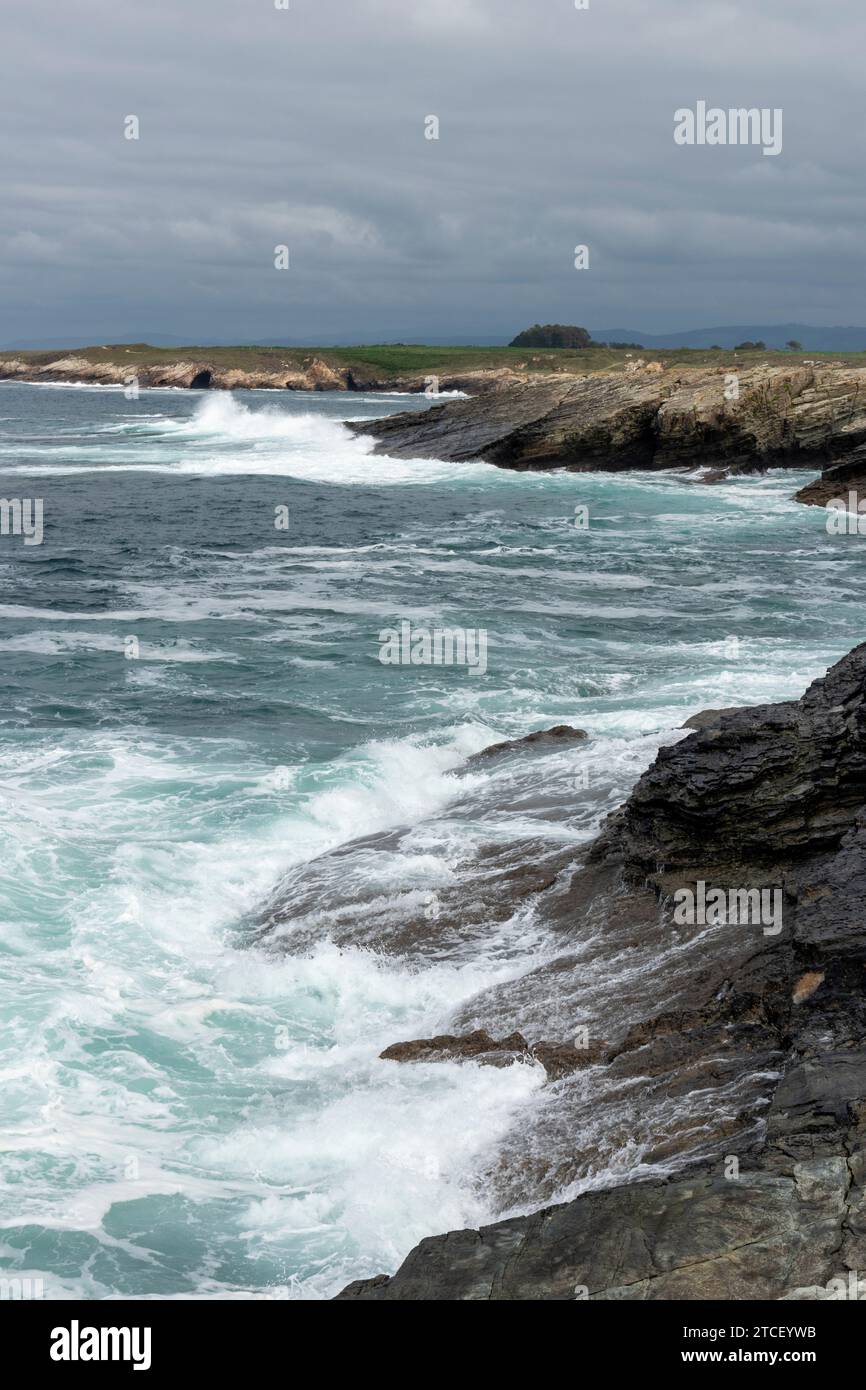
398, 359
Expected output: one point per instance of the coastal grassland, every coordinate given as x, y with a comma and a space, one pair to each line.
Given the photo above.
399, 359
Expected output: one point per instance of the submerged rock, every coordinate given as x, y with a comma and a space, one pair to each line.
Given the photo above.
722, 1132
347, 894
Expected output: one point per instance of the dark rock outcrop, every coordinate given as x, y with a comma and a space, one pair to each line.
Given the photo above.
760, 417
735, 1074
707, 717
701, 1238
338, 894
543, 741
558, 1059
477, 1047
593, 421
838, 479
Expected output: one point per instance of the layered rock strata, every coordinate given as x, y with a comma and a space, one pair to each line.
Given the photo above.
718, 1140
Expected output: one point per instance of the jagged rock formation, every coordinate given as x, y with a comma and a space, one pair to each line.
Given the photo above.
336, 896
342, 894
315, 375
766, 416
191, 375
477, 1046
558, 1059
838, 480
703, 1238
722, 1133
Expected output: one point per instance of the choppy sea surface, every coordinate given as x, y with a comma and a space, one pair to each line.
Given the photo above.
193, 704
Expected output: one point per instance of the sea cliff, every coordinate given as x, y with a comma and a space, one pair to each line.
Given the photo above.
725, 419
215, 373
740, 1042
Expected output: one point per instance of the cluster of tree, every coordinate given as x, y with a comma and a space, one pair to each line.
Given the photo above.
793, 345
552, 335
561, 335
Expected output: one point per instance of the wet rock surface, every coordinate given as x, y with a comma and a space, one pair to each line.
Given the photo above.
347, 894
838, 480
558, 1059
490, 884
706, 717
700, 1238
753, 418
541, 741
715, 1148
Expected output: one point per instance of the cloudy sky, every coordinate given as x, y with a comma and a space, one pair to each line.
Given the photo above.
306, 127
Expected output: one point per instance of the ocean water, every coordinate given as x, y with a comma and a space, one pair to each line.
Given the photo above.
193, 709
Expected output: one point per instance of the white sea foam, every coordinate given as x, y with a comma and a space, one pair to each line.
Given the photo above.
146, 946
224, 436
46, 643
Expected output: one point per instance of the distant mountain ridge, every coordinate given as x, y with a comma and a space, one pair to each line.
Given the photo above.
777, 335
813, 338
76, 341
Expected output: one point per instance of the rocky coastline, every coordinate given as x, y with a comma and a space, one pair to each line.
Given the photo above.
733, 1048
726, 420
313, 374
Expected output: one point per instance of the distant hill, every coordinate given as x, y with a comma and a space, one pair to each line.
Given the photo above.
774, 335
67, 344
563, 336
168, 340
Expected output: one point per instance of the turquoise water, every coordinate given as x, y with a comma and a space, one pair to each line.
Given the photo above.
184, 1113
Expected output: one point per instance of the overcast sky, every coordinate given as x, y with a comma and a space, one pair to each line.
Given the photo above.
306, 127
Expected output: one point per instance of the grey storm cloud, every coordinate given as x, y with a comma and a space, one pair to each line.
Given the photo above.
304, 126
